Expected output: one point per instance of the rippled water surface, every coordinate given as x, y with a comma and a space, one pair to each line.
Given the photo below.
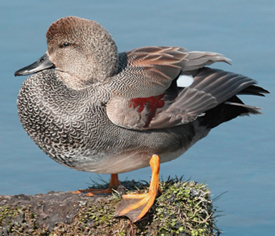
236, 158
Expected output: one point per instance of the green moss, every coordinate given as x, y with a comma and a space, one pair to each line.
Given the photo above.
183, 207
19, 221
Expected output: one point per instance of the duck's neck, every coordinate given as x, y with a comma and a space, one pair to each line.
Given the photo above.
71, 81
96, 91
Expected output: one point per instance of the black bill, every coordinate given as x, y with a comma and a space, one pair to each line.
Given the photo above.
41, 64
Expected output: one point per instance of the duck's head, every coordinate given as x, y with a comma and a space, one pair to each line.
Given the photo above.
80, 50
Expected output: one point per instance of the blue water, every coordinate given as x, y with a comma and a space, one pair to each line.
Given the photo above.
236, 158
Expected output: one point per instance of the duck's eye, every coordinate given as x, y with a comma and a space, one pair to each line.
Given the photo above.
65, 45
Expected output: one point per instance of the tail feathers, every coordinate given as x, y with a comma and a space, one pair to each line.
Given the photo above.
254, 90
226, 111
250, 109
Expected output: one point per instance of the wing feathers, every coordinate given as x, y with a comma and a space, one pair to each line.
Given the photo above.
150, 98
221, 84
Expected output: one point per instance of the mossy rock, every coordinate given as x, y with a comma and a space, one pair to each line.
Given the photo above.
183, 208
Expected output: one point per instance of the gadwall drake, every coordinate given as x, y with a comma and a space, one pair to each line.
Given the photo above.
93, 109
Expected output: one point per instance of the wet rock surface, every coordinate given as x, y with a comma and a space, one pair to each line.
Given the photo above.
49, 208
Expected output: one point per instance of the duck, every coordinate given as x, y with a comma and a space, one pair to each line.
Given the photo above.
93, 109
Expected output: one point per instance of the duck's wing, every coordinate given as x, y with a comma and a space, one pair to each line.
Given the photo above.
149, 71
146, 95
210, 88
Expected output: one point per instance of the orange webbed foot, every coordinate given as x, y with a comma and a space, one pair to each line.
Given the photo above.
135, 206
114, 183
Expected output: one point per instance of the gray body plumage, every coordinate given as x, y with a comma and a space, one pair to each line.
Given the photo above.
74, 131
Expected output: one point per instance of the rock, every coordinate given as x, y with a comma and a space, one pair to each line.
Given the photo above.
183, 208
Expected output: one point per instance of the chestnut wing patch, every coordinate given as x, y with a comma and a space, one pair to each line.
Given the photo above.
136, 113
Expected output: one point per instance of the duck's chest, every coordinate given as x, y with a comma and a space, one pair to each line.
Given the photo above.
61, 122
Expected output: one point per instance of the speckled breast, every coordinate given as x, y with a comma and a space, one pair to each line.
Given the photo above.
59, 120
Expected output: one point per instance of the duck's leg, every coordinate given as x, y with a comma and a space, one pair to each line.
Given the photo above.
114, 183
135, 206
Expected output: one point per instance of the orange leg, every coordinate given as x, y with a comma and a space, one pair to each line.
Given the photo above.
114, 183
135, 206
